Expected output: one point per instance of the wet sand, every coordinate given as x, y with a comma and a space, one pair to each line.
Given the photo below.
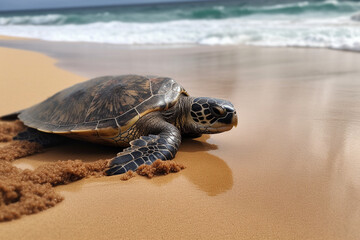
290, 170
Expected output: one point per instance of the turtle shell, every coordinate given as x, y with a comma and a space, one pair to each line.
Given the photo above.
103, 106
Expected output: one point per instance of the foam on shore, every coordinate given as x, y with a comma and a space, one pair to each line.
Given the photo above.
318, 24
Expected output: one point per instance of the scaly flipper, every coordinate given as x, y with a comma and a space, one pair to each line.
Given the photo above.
147, 149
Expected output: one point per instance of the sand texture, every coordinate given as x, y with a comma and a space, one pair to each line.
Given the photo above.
25, 192
8, 129
290, 170
19, 197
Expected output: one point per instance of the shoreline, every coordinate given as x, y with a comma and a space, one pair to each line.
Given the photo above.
150, 47
288, 171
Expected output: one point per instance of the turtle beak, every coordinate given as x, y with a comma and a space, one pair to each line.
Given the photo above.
231, 110
234, 120
230, 119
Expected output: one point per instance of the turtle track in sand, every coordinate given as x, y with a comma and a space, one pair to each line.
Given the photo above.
24, 192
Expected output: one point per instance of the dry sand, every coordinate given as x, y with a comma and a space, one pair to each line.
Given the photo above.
290, 170
2, 37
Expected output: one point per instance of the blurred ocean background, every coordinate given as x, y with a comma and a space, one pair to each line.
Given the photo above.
329, 24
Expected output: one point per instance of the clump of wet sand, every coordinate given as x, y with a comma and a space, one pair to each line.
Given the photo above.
65, 172
15, 149
8, 130
157, 168
19, 197
24, 192
128, 175
18, 149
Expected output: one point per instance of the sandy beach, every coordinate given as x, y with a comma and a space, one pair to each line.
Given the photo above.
290, 170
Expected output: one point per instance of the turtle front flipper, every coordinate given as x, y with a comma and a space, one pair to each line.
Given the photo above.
147, 149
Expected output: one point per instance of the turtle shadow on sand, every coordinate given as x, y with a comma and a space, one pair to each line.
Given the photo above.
197, 144
207, 172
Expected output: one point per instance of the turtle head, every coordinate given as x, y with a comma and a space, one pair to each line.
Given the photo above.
211, 115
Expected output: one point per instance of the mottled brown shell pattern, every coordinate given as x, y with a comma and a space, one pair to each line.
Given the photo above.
103, 109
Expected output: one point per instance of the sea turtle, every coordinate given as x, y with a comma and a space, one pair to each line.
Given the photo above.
146, 114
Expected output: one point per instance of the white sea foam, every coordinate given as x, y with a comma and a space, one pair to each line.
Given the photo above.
46, 19
305, 31
356, 17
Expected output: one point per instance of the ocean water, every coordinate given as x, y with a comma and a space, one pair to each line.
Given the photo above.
329, 24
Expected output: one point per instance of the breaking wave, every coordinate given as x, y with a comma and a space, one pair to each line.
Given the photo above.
331, 24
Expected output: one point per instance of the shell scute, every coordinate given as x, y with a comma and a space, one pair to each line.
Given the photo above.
107, 128
124, 120
107, 123
158, 85
62, 128
116, 97
84, 126
158, 103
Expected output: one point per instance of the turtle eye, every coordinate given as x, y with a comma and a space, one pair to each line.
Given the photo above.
218, 111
